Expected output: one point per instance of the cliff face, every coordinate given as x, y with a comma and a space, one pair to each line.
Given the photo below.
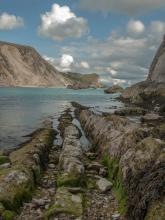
153, 89
157, 69
23, 66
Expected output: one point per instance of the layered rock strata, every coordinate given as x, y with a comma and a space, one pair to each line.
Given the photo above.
18, 181
134, 155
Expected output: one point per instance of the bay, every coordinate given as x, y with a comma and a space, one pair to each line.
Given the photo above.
22, 110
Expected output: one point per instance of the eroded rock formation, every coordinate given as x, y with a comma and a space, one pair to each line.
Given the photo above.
134, 155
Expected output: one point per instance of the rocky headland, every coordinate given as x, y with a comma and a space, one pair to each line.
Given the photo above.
114, 89
84, 81
23, 66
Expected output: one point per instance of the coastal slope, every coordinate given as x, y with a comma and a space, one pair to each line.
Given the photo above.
23, 66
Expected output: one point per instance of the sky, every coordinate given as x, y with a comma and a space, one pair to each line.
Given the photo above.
115, 38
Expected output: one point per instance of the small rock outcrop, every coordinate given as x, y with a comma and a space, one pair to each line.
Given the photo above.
131, 111
114, 89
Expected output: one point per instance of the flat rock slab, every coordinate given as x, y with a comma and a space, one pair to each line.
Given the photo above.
66, 202
72, 131
151, 117
5, 166
94, 166
70, 161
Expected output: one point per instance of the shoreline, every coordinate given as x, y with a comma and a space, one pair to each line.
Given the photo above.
114, 142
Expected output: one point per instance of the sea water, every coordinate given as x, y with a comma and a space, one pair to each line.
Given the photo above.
22, 110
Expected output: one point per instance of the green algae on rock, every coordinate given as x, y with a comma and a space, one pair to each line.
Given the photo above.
18, 182
4, 159
66, 202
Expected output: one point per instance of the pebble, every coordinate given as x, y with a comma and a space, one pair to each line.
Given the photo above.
75, 190
39, 202
5, 166
116, 216
103, 172
94, 166
51, 166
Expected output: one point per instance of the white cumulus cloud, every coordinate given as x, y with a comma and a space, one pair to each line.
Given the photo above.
9, 21
61, 23
66, 61
135, 27
122, 57
157, 27
84, 64
63, 63
112, 71
130, 7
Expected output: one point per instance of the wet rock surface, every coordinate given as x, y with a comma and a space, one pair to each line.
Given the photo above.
78, 198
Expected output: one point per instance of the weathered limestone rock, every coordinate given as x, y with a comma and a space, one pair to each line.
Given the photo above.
156, 210
18, 181
152, 117
66, 202
94, 166
5, 166
114, 89
72, 131
116, 216
70, 159
104, 185
103, 172
65, 120
130, 111
134, 155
